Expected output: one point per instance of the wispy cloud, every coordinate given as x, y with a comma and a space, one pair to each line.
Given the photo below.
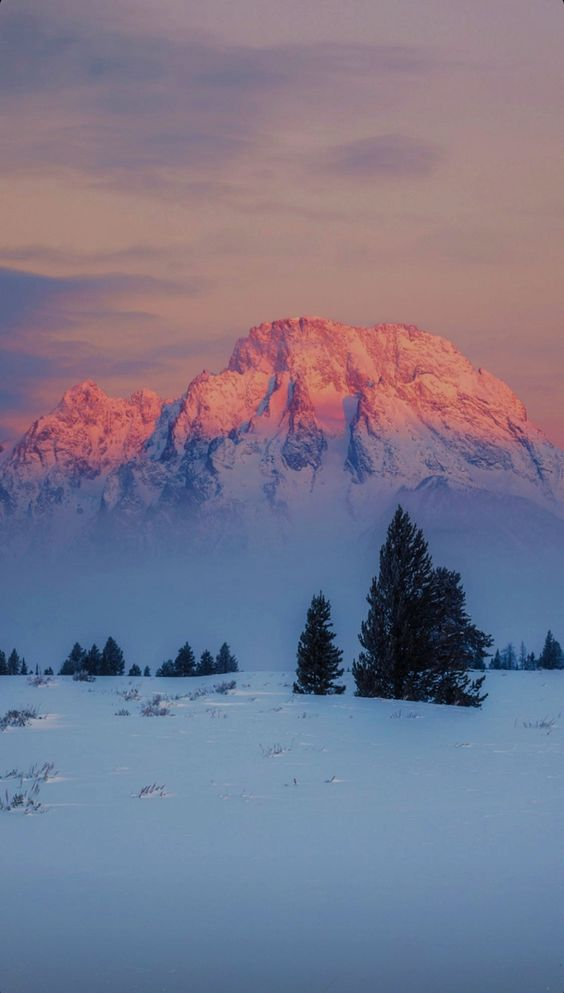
107, 103
384, 156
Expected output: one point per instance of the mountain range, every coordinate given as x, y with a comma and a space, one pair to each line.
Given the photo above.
300, 447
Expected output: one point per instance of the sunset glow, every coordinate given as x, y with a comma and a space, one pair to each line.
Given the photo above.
173, 174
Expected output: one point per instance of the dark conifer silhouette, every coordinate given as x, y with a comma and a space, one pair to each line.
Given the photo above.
112, 662
417, 641
206, 665
74, 661
319, 660
225, 660
551, 657
185, 661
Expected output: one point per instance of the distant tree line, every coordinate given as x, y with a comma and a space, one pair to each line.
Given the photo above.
551, 657
13, 665
89, 663
185, 663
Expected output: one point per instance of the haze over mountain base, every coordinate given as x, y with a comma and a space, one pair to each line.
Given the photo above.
216, 516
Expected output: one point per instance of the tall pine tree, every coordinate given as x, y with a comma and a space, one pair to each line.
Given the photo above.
396, 635
319, 660
417, 641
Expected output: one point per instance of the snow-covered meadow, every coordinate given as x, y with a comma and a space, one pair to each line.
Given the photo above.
299, 844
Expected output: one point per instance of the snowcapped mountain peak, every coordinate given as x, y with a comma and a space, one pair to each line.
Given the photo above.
308, 412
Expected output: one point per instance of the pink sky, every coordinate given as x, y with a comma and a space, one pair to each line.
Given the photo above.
175, 173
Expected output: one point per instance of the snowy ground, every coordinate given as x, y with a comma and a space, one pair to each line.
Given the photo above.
387, 848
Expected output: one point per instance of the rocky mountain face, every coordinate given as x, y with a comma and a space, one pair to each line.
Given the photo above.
275, 478
310, 419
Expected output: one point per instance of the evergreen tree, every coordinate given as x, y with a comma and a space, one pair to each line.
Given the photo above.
146, 671
531, 662
509, 657
418, 641
92, 662
134, 671
74, 661
225, 661
496, 661
14, 663
319, 660
185, 662
112, 662
48, 671
167, 669
396, 635
458, 645
23, 668
3, 664
206, 665
551, 656
522, 659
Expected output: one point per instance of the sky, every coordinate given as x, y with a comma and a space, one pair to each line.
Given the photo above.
174, 173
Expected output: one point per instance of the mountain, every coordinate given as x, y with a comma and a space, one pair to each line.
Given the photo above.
307, 413
281, 472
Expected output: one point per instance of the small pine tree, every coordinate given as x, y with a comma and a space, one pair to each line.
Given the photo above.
319, 660
552, 656
48, 671
167, 669
92, 661
74, 662
112, 662
206, 665
134, 671
146, 672
522, 658
3, 664
23, 668
531, 662
496, 661
14, 663
509, 657
185, 661
225, 661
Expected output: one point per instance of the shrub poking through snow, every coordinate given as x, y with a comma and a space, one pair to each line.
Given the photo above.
39, 681
225, 687
152, 790
155, 707
23, 801
17, 718
36, 772
122, 712
272, 751
83, 677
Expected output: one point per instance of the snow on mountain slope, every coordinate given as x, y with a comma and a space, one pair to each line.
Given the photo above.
310, 412
312, 421
62, 461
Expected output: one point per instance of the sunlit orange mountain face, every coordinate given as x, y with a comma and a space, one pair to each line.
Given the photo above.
278, 475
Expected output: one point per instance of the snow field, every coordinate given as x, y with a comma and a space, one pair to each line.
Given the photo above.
300, 845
